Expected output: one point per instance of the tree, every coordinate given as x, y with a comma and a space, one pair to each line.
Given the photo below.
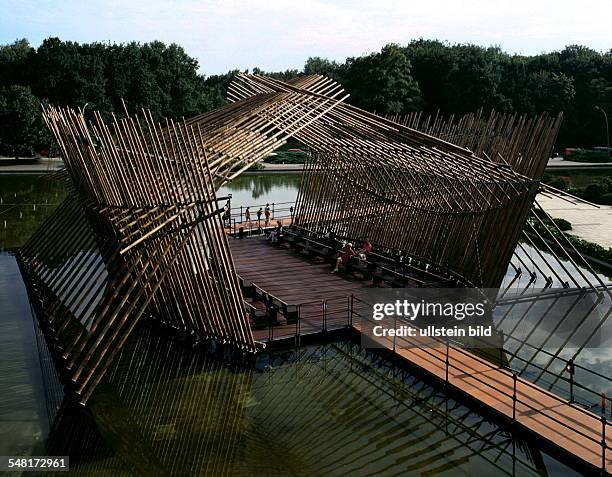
21, 129
14, 62
315, 65
550, 92
425, 74
432, 63
382, 82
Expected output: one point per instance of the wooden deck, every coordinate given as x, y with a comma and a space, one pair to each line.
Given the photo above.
285, 274
297, 280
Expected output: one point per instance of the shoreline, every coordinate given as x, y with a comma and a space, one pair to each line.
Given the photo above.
42, 166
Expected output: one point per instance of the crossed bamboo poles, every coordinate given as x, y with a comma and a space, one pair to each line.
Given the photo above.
141, 233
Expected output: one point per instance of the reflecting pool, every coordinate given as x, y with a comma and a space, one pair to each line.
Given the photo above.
163, 409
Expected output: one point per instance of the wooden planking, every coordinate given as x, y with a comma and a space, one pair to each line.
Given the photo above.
297, 281
535, 410
287, 275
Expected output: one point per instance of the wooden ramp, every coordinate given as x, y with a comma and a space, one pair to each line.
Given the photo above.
567, 426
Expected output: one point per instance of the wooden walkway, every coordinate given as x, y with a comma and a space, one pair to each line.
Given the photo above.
296, 280
569, 427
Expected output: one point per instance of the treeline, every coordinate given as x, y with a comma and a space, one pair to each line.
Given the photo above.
424, 75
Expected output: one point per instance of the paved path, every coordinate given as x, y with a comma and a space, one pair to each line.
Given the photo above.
588, 222
9, 166
281, 167
560, 163
30, 166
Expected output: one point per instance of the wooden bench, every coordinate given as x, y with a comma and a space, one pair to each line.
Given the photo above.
268, 316
291, 313
377, 266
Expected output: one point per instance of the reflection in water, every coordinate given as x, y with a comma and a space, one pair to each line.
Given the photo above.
25, 201
545, 362
251, 189
332, 409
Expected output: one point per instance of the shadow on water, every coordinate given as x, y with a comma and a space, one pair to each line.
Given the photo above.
329, 409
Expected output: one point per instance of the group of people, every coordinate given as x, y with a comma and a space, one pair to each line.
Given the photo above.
344, 257
348, 253
267, 213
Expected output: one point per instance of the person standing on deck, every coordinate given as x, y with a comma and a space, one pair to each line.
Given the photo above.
247, 215
267, 213
227, 214
259, 212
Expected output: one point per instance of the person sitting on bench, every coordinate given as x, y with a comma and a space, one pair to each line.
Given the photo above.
345, 256
276, 233
365, 249
330, 237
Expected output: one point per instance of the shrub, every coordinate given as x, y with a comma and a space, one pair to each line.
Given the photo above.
560, 182
564, 225
256, 167
587, 155
606, 199
591, 249
593, 192
286, 157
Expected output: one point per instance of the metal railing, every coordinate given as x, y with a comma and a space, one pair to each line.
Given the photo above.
515, 380
278, 211
312, 317
321, 316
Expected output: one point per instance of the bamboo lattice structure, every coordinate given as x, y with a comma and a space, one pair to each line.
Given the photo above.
524, 142
143, 213
451, 205
502, 137
141, 233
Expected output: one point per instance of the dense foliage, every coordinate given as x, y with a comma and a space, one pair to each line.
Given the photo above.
586, 155
425, 74
598, 191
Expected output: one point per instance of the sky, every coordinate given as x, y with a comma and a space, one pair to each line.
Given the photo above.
281, 34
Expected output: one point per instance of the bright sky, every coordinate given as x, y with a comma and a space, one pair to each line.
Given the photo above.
282, 34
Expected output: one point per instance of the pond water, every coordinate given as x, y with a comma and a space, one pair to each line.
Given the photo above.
332, 409
324, 410
256, 190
